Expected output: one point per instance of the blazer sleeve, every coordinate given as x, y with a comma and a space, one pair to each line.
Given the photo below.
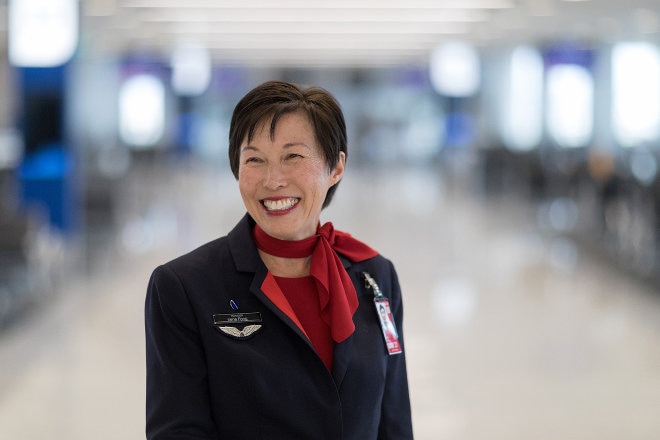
177, 397
396, 419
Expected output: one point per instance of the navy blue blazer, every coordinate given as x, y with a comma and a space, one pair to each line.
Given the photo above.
265, 381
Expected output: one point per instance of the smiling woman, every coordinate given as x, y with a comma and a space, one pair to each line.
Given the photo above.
283, 177
271, 332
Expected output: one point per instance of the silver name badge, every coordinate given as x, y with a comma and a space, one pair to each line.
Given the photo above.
238, 325
236, 318
385, 317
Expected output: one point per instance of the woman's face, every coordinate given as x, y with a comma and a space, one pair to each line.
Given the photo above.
283, 181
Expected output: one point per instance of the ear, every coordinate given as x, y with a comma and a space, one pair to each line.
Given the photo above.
338, 170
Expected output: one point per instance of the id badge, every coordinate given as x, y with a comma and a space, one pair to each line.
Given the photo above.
385, 317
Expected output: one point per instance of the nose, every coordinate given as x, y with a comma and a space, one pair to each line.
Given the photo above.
275, 177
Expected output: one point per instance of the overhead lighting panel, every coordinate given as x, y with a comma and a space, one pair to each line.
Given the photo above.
337, 4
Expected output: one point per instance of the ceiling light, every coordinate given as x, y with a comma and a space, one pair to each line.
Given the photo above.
337, 4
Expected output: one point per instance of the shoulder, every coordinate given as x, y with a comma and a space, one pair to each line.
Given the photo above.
209, 253
380, 268
190, 272
220, 255
362, 257
377, 263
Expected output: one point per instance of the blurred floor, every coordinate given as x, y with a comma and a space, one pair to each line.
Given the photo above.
510, 334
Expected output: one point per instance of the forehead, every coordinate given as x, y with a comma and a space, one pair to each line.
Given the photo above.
292, 121
292, 124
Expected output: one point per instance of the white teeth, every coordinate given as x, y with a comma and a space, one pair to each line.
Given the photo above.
279, 205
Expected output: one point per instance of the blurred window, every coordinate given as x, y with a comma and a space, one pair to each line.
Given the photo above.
570, 97
455, 70
141, 111
635, 93
42, 33
191, 70
523, 123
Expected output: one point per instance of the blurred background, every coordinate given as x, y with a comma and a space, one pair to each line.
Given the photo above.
503, 153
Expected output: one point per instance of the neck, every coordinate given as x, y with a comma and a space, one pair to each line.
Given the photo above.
286, 267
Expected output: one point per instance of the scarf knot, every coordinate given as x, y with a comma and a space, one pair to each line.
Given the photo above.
336, 292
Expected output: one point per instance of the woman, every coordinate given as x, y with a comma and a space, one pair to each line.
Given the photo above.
274, 332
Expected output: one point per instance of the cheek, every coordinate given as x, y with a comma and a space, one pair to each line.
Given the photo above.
246, 178
319, 186
317, 176
246, 189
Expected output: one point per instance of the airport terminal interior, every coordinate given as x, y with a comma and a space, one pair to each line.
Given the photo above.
503, 154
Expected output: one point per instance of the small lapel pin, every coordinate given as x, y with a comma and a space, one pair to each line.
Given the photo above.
233, 304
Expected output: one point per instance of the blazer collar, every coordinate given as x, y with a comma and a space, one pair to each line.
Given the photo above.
242, 247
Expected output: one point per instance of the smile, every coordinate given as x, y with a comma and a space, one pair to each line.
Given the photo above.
280, 204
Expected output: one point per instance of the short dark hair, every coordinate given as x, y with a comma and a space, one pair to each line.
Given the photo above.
273, 99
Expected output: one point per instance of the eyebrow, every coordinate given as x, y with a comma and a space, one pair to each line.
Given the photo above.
287, 145
295, 144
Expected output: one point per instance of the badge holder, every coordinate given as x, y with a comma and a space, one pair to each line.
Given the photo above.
385, 317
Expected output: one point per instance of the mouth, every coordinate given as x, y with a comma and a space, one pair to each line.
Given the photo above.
280, 205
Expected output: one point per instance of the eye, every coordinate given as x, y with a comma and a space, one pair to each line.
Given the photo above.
294, 156
252, 160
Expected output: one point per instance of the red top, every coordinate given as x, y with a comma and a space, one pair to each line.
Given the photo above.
303, 298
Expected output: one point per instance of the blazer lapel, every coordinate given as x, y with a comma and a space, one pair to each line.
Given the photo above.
344, 350
278, 303
246, 257
342, 357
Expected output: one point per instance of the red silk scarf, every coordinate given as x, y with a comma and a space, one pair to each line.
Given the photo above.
337, 296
